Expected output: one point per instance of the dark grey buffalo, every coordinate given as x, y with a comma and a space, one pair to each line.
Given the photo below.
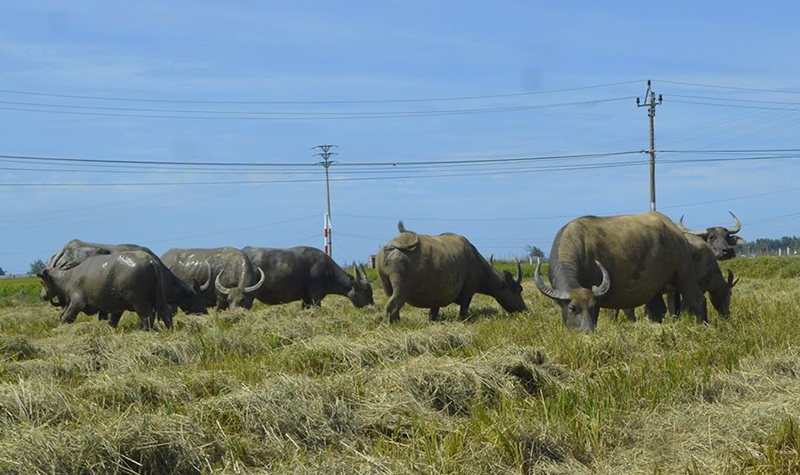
178, 293
435, 271
721, 240
128, 280
710, 278
308, 275
236, 279
619, 262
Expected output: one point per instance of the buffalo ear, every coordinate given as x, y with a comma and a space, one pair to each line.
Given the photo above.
44, 275
740, 240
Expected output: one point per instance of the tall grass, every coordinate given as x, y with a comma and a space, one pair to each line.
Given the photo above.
339, 390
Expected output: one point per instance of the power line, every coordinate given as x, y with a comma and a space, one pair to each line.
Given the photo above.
332, 115
735, 88
421, 174
151, 162
689, 96
368, 101
737, 106
308, 165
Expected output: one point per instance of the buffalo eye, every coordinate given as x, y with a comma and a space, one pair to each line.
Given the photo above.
573, 308
711, 238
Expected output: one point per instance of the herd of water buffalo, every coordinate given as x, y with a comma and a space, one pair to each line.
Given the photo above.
616, 262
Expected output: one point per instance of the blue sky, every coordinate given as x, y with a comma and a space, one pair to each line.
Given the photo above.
728, 73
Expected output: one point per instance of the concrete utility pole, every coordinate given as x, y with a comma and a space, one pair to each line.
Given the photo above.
326, 155
650, 103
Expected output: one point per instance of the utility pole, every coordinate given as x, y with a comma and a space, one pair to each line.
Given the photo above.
326, 162
650, 103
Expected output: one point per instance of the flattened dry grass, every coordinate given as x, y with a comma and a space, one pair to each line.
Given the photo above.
339, 390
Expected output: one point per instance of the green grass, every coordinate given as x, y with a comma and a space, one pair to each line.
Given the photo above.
764, 267
19, 291
339, 390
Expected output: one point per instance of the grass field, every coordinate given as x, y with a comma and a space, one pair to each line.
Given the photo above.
339, 390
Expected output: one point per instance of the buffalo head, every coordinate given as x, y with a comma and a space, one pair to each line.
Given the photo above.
240, 296
360, 289
721, 296
509, 295
579, 306
50, 291
193, 302
720, 239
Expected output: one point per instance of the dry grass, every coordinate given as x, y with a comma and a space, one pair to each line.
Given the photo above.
339, 390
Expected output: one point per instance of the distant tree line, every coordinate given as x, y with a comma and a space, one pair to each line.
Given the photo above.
762, 246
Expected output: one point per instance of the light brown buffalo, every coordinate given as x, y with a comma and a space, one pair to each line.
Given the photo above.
434, 271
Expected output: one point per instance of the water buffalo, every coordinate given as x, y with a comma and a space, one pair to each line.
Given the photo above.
721, 240
235, 281
710, 279
306, 274
619, 262
434, 271
178, 293
709, 276
128, 280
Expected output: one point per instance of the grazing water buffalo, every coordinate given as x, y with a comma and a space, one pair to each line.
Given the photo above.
306, 274
619, 262
235, 281
177, 292
709, 276
434, 271
710, 279
129, 280
721, 240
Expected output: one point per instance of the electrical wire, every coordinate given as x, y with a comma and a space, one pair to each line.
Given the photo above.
332, 115
734, 88
256, 102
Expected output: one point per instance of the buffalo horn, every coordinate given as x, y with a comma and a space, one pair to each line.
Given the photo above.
601, 290
221, 288
737, 225
258, 284
731, 282
691, 231
207, 283
491, 260
545, 289
363, 273
519, 273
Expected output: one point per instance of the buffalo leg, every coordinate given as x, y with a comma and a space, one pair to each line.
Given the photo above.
655, 308
70, 312
695, 303
113, 319
393, 306
674, 303
396, 301
433, 314
630, 314
102, 315
463, 312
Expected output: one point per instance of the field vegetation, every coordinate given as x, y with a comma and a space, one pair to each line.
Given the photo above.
339, 390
